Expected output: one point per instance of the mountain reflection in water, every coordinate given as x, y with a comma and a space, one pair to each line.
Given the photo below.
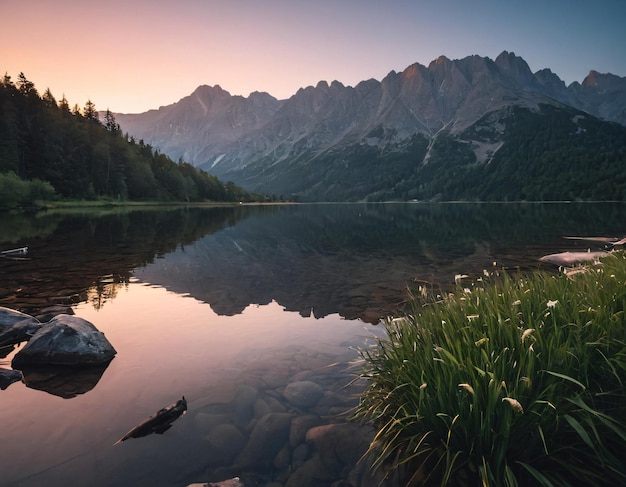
353, 259
210, 302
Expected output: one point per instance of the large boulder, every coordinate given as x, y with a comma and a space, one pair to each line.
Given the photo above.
66, 340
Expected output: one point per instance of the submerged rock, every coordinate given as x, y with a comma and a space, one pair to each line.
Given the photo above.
66, 340
267, 438
303, 394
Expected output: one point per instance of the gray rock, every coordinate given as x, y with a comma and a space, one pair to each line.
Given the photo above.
282, 458
225, 443
243, 405
9, 317
261, 408
16, 327
300, 454
66, 340
205, 422
313, 473
303, 394
267, 438
340, 445
8, 377
46, 314
300, 425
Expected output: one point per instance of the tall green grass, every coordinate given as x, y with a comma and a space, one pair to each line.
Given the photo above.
514, 381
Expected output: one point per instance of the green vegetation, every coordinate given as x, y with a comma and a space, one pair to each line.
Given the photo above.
514, 381
48, 149
346, 174
552, 153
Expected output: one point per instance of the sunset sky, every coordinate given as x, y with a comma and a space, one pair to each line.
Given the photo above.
134, 55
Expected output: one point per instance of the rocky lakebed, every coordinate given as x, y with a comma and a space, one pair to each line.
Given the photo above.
287, 425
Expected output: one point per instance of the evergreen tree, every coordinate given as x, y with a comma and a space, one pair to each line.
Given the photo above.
90, 112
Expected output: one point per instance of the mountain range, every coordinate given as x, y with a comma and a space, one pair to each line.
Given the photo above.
472, 128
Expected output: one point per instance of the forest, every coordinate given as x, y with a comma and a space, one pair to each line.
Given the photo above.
51, 151
550, 153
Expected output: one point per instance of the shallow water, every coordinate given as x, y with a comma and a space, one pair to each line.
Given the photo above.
198, 302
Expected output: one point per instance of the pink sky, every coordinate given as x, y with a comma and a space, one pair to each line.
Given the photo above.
131, 56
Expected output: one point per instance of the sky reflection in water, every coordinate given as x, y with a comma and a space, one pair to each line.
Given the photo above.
168, 346
198, 301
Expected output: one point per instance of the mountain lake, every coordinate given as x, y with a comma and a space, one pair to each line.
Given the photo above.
228, 307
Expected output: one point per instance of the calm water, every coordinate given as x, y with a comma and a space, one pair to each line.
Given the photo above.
199, 301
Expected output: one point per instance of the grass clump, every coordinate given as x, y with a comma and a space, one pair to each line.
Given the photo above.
516, 381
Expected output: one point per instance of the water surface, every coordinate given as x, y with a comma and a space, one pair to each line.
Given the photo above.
198, 301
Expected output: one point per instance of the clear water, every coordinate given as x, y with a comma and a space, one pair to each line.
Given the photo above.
199, 301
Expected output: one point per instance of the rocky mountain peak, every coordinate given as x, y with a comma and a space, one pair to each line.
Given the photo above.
226, 134
515, 68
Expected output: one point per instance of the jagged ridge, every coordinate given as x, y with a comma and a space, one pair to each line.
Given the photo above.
267, 144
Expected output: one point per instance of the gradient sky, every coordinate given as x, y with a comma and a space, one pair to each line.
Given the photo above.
134, 55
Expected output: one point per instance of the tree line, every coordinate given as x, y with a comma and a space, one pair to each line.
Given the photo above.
48, 150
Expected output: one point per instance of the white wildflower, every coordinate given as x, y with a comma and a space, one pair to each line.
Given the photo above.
458, 277
526, 334
552, 304
515, 405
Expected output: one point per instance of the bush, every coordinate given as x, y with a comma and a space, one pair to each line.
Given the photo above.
15, 192
514, 382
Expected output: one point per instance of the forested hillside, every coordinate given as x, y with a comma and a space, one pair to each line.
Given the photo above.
48, 149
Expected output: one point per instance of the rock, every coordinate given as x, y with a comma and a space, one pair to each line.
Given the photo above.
243, 405
16, 327
300, 425
8, 377
312, 474
261, 408
205, 422
282, 458
225, 443
267, 438
300, 454
340, 445
9, 317
303, 394
66, 340
46, 314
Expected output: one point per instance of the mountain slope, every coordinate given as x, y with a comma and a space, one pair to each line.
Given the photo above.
392, 138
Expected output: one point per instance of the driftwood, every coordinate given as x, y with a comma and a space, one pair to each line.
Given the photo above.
572, 258
159, 422
605, 240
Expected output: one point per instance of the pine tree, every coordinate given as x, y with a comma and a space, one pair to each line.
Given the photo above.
90, 112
